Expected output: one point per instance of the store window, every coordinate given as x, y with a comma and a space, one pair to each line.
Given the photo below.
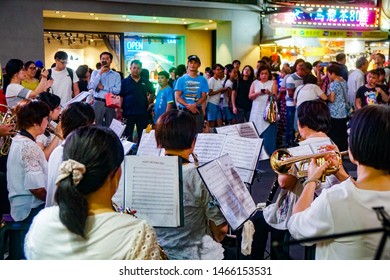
157, 53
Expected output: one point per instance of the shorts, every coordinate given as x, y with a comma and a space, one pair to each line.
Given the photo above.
213, 112
227, 114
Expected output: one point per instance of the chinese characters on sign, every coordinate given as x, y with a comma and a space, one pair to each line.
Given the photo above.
336, 16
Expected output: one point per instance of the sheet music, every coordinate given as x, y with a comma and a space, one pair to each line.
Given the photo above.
148, 145
228, 130
226, 186
245, 175
244, 152
118, 127
263, 154
152, 188
208, 146
300, 150
315, 146
78, 98
127, 145
247, 130
119, 196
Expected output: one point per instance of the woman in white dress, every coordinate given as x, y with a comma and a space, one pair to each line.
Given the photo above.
261, 90
84, 224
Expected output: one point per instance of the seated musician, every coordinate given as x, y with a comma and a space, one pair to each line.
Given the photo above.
51, 138
84, 224
349, 206
204, 225
75, 115
313, 124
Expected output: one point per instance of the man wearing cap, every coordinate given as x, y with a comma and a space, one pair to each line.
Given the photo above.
191, 91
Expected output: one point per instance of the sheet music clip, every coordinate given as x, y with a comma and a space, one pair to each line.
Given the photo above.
213, 203
148, 128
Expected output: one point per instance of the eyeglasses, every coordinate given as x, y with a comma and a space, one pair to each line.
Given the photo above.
63, 61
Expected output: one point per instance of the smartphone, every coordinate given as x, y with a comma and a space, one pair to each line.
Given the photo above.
104, 63
263, 90
324, 64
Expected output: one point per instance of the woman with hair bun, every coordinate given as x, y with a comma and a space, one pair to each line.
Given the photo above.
84, 224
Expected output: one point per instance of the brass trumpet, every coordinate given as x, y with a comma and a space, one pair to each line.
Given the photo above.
6, 118
281, 161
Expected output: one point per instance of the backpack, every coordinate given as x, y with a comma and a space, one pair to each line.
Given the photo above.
70, 73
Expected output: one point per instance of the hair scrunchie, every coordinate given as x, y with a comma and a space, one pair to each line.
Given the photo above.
71, 167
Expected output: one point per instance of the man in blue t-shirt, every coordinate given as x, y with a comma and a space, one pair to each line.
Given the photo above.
164, 98
191, 91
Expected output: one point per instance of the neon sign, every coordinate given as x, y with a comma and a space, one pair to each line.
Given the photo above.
336, 16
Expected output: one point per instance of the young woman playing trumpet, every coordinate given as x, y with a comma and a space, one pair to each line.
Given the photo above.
349, 206
313, 124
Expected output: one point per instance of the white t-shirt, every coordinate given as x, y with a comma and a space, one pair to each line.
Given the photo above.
109, 236
228, 84
340, 209
54, 163
307, 92
15, 93
62, 84
214, 85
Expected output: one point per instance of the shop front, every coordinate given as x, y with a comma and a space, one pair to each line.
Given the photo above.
320, 32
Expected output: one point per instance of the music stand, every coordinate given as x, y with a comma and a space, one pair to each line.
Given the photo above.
382, 216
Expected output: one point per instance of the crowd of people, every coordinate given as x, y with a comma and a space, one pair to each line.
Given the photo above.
63, 164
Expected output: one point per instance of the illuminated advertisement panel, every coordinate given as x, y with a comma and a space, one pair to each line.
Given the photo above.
336, 16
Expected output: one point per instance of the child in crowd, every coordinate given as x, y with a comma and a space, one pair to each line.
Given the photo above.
164, 98
371, 93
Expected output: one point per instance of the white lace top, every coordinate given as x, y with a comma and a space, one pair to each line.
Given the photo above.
109, 236
26, 170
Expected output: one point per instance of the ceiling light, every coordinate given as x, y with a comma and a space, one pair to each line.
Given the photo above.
154, 17
57, 12
63, 15
185, 22
96, 18
157, 21
183, 19
123, 16
210, 20
206, 28
91, 14
127, 19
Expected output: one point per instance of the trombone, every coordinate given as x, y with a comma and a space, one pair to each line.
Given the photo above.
282, 160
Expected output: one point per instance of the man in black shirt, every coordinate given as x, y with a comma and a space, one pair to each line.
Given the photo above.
135, 91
